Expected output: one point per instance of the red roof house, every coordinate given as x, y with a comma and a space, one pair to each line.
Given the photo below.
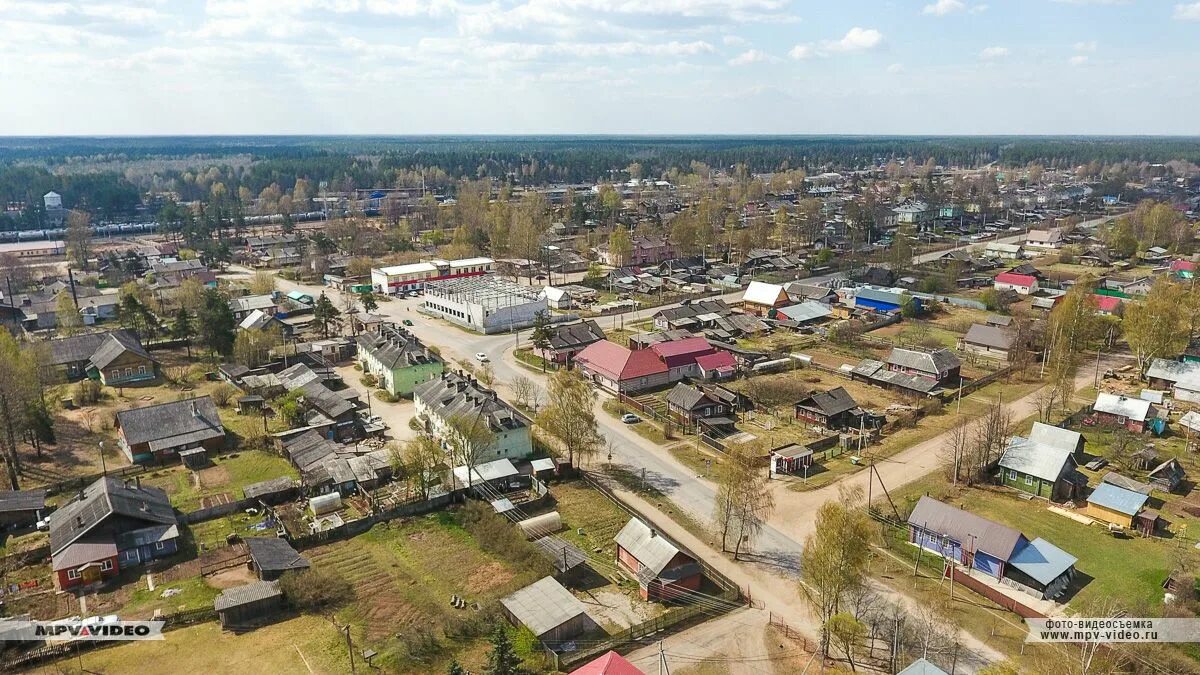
611, 663
717, 365
1107, 304
1023, 284
680, 355
621, 369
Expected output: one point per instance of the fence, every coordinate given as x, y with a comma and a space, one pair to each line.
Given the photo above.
23, 558
81, 482
361, 525
1005, 601
201, 515
977, 384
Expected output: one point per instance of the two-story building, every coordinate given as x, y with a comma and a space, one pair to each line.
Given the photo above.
397, 359
456, 404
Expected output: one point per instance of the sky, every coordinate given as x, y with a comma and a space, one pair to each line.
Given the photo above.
143, 67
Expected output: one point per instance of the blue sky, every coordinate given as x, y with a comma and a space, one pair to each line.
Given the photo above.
599, 66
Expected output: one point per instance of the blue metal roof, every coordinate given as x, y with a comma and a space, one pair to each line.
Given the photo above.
1042, 561
1118, 499
922, 667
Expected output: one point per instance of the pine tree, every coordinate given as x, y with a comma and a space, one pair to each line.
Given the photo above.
542, 332
503, 659
216, 323
325, 313
182, 328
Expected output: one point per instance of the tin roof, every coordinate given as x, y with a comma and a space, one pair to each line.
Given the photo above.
1118, 499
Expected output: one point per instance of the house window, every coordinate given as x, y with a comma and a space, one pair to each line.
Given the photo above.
158, 546
129, 372
141, 370
1012, 475
1121, 419
1028, 479
72, 574
116, 373
105, 565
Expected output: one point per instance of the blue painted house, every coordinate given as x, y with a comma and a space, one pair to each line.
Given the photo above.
1038, 568
880, 300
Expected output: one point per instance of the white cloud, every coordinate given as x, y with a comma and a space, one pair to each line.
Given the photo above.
1078, 60
733, 40
1187, 12
1089, 46
750, 56
855, 40
990, 53
800, 52
944, 7
896, 68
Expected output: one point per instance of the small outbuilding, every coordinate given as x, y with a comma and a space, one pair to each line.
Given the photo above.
1168, 475
273, 491
21, 508
247, 606
270, 557
1115, 505
549, 611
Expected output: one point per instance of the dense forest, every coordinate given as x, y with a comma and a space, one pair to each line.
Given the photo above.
106, 176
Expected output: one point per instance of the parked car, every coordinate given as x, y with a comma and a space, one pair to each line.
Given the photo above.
630, 418
407, 322
481, 357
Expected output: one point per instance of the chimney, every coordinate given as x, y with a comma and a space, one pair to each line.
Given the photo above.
78, 521
195, 410
653, 533
145, 506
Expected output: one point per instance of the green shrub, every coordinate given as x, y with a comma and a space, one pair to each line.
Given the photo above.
88, 392
369, 380
313, 590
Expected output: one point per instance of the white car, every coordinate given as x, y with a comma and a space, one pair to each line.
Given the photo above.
481, 357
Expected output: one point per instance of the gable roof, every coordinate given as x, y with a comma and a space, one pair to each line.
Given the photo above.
760, 293
1133, 408
543, 606
686, 396
1116, 498
832, 402
244, 595
1035, 459
576, 334
922, 667
964, 527
1016, 279
273, 554
719, 360
610, 663
682, 347
809, 310
171, 422
114, 345
78, 348
1042, 561
453, 394
620, 363
1057, 437
103, 498
394, 347
989, 336
936, 361
1172, 371
22, 500
651, 548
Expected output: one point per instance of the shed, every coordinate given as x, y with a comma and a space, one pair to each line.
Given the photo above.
1114, 478
273, 491
20, 508
1043, 568
549, 611
1168, 475
246, 606
565, 556
272, 556
194, 459
1115, 505
790, 458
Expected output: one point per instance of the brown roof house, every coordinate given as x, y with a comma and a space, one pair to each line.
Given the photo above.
160, 432
663, 570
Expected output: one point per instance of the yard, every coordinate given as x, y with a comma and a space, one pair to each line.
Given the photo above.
304, 644
404, 574
222, 482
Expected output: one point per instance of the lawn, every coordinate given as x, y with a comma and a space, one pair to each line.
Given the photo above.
404, 574
228, 475
586, 510
1131, 570
192, 593
308, 644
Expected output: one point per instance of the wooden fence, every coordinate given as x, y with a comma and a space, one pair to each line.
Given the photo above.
356, 527
1005, 601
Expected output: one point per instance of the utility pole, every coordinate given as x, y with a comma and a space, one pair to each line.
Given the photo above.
350, 648
103, 466
663, 668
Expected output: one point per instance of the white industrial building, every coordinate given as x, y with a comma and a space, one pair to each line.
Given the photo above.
484, 304
414, 276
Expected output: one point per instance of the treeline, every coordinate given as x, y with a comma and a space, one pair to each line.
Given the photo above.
541, 159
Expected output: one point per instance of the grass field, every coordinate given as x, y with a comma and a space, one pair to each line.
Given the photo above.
228, 475
404, 574
307, 644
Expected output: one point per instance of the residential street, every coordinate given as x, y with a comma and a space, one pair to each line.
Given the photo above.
771, 576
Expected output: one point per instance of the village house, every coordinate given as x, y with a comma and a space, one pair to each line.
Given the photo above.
111, 525
644, 251
1044, 463
549, 611
680, 356
1036, 567
689, 405
115, 358
397, 359
21, 508
760, 298
691, 315
1004, 251
620, 369
159, 432
1021, 284
884, 301
609, 663
249, 303
1051, 238
1134, 414
940, 365
1116, 505
569, 339
807, 313
834, 409
663, 570
454, 399
986, 340
1108, 305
